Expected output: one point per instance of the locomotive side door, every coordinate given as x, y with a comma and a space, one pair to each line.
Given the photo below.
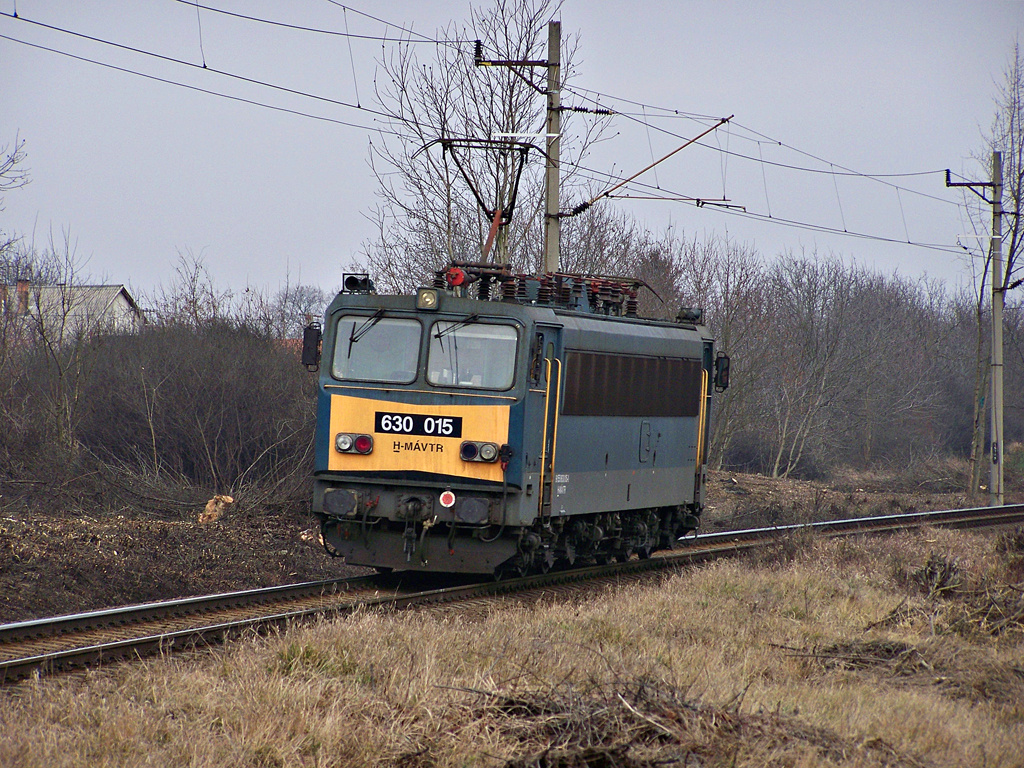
546, 378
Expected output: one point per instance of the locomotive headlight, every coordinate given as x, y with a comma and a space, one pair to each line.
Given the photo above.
345, 443
426, 298
472, 451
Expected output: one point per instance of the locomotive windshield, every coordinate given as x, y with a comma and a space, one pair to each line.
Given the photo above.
475, 355
376, 348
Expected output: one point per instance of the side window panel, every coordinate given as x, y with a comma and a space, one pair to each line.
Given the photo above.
629, 385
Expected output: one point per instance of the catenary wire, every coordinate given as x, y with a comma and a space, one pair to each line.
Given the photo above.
253, 102
831, 171
660, 193
192, 65
410, 32
331, 32
794, 223
879, 178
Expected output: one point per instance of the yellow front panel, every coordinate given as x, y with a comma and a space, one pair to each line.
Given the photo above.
398, 453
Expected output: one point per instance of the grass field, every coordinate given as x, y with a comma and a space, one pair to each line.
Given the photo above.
899, 651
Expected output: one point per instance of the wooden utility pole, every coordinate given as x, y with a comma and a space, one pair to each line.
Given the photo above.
998, 296
552, 221
552, 218
998, 281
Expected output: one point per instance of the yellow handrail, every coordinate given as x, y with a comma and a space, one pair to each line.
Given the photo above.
554, 433
702, 417
544, 440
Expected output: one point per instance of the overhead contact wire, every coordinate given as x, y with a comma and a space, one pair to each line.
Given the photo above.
198, 89
842, 216
332, 32
764, 180
879, 178
192, 65
903, 214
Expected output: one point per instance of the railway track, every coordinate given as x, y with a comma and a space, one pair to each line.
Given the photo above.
43, 646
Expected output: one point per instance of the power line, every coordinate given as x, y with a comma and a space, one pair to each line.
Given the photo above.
793, 223
207, 91
192, 65
660, 193
425, 38
702, 202
320, 30
844, 171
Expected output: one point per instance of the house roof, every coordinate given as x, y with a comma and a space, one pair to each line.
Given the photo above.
77, 306
91, 300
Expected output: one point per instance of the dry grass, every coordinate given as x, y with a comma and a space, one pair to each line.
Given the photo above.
833, 654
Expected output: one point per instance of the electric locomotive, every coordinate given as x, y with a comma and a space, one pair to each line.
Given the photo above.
500, 423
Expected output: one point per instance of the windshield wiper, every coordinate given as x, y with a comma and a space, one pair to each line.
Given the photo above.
358, 333
456, 326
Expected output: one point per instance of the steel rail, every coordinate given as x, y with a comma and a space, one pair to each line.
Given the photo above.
947, 518
131, 614
692, 550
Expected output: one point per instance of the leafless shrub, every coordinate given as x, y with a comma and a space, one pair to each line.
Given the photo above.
787, 548
642, 724
940, 576
222, 406
993, 610
1011, 542
899, 656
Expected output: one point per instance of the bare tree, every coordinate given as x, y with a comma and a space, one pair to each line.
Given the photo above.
1007, 137
294, 306
192, 299
428, 214
13, 175
739, 315
809, 298
982, 370
50, 333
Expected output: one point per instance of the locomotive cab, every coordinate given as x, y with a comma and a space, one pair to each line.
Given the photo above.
414, 417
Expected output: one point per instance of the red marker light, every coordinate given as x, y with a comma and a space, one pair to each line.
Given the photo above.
455, 277
364, 444
447, 499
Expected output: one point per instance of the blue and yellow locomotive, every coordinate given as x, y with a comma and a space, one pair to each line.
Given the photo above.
501, 423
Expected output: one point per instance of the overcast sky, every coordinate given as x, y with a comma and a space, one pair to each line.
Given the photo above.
138, 170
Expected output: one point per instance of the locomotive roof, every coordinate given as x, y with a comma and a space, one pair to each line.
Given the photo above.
455, 305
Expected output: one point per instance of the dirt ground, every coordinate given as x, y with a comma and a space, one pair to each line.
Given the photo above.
55, 561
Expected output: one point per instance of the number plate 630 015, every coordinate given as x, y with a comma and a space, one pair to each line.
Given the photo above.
417, 424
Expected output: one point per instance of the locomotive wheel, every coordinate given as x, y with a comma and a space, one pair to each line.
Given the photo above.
512, 569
